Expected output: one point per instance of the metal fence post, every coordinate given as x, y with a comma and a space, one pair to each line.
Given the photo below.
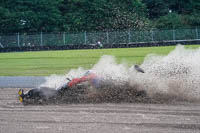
115, 37
197, 36
174, 36
18, 41
41, 39
137, 36
129, 36
152, 35
64, 38
107, 36
85, 37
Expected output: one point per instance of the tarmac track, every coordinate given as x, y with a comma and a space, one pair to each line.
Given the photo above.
96, 118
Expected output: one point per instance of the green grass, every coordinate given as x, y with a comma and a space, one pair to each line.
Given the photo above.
60, 62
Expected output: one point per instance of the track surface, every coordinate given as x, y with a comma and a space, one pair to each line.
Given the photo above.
21, 81
97, 118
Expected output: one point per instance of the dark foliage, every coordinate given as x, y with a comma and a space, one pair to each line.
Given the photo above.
95, 15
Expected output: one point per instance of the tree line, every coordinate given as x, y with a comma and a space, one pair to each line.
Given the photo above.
96, 15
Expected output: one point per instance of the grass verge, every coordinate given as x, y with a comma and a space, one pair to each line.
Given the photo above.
45, 63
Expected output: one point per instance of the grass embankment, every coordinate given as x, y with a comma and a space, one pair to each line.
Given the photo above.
59, 62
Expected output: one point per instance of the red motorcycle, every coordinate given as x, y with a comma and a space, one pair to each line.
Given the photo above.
39, 95
74, 90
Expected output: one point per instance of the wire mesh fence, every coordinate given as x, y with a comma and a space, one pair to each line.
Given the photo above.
85, 38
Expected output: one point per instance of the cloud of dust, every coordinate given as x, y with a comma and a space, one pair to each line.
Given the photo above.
176, 75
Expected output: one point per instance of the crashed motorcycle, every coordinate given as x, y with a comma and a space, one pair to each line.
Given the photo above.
79, 90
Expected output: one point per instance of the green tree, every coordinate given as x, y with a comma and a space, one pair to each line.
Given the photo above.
90, 15
96, 15
156, 8
181, 6
30, 16
170, 21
